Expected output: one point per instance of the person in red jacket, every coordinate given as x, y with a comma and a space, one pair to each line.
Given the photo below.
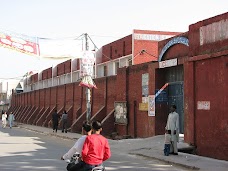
96, 148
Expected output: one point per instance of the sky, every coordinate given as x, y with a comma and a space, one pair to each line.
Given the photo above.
104, 21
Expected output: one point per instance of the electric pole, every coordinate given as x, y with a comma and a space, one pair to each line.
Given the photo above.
88, 92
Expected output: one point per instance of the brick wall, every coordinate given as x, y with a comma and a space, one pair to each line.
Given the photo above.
213, 29
212, 124
116, 49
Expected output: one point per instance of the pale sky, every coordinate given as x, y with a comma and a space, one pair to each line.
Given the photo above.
104, 20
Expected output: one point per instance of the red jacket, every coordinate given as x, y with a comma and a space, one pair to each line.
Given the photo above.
95, 149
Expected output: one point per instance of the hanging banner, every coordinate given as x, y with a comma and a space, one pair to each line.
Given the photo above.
19, 42
60, 48
87, 63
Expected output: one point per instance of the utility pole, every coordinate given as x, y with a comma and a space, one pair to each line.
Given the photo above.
88, 92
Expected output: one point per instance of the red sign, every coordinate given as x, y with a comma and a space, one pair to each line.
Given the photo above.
20, 43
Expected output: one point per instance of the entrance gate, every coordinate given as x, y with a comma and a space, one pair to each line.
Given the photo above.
175, 96
175, 78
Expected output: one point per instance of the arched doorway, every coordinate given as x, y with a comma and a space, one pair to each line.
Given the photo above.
174, 76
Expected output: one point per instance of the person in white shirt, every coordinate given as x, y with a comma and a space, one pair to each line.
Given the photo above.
173, 125
4, 122
86, 130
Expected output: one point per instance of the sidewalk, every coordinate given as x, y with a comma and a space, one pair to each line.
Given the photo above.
148, 147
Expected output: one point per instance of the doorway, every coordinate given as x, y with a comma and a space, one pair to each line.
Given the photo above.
175, 78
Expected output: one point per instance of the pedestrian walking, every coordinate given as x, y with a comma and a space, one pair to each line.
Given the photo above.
4, 122
173, 126
64, 122
11, 119
167, 142
55, 121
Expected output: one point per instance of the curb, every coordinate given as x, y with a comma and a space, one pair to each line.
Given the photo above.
167, 161
45, 133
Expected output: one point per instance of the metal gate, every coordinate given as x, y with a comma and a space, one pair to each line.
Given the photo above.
175, 96
175, 78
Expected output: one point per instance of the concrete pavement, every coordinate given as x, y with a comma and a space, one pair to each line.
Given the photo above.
148, 147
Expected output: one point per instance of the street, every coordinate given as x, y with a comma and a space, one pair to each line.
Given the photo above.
23, 150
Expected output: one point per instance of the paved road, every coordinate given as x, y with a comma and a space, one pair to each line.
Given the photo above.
23, 150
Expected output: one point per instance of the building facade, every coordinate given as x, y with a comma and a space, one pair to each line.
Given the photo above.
6, 88
191, 71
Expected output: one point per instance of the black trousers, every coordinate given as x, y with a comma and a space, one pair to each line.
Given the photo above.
55, 126
64, 126
82, 166
76, 167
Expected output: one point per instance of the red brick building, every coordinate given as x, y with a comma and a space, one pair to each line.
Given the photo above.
194, 64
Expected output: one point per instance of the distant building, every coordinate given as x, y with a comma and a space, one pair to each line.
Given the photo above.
6, 88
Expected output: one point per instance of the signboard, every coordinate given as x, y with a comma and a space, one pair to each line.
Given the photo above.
145, 79
145, 91
144, 99
203, 105
152, 37
19, 42
168, 63
151, 105
87, 63
145, 83
120, 112
143, 106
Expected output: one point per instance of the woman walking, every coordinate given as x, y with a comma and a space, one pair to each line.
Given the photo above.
4, 116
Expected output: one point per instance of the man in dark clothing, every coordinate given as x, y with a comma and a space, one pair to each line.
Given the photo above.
55, 121
64, 122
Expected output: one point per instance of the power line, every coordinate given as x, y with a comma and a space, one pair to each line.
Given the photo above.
97, 48
16, 78
72, 38
105, 36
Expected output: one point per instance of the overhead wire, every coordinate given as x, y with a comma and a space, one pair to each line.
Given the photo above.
97, 48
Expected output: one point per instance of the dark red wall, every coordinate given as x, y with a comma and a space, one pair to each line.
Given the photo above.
116, 49
194, 37
99, 93
77, 100
111, 93
67, 66
34, 78
47, 73
69, 95
212, 125
60, 97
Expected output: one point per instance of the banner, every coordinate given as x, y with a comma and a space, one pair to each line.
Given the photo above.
19, 42
60, 48
87, 63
